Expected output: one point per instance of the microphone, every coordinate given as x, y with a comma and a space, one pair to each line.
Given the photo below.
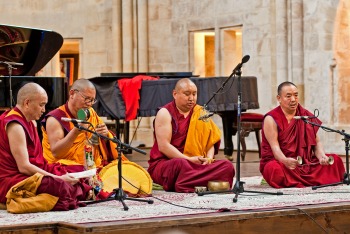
206, 116
304, 117
83, 114
244, 60
74, 121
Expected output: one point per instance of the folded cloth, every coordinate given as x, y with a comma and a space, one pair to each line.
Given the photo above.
22, 197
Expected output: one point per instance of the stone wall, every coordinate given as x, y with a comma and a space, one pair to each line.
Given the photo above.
286, 40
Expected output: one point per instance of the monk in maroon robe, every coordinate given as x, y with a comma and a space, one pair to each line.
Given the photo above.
22, 155
284, 138
171, 163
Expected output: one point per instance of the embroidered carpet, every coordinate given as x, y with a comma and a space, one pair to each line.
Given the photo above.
187, 204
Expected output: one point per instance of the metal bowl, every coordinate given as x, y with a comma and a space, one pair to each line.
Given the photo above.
217, 185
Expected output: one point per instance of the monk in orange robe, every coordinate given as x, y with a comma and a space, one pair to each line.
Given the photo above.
182, 156
22, 156
64, 143
285, 138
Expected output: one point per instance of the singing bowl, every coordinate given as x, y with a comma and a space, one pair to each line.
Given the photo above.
218, 185
200, 189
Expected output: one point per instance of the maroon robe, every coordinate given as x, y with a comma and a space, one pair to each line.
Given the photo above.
10, 175
181, 175
297, 138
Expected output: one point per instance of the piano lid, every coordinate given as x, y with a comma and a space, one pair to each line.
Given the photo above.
32, 47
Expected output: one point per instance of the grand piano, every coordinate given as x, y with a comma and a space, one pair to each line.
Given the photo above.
24, 52
156, 93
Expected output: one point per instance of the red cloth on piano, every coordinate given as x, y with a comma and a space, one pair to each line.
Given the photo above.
297, 138
130, 93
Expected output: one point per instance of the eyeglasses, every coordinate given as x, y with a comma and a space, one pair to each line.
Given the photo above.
86, 99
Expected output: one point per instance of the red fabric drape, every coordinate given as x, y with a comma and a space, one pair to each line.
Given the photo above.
130, 94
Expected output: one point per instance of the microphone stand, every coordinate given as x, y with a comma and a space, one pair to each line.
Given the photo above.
120, 195
10, 68
346, 139
239, 185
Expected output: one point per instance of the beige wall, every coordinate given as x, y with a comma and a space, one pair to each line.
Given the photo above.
286, 40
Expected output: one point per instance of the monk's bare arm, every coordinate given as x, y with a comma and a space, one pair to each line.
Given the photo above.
210, 153
271, 134
319, 152
163, 130
18, 147
59, 144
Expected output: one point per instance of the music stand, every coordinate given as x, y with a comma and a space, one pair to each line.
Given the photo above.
239, 185
346, 139
120, 195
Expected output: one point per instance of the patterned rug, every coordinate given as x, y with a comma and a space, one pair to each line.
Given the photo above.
168, 204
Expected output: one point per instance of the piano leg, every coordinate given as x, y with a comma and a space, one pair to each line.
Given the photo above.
228, 118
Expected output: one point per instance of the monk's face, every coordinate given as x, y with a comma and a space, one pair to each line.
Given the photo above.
185, 97
83, 99
288, 98
36, 106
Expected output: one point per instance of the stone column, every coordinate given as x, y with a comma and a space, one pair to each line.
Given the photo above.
144, 130
127, 36
297, 47
342, 56
281, 41
116, 46
142, 40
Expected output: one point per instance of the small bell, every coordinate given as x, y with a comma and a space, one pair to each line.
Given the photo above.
94, 140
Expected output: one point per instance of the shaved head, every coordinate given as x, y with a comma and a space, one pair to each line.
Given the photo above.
29, 91
185, 95
283, 84
182, 83
82, 84
31, 100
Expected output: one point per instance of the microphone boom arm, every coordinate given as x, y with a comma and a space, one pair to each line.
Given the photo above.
114, 139
234, 72
346, 139
343, 133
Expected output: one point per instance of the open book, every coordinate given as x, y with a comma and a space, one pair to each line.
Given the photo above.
84, 174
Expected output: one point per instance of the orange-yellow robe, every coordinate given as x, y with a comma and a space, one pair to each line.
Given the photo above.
104, 153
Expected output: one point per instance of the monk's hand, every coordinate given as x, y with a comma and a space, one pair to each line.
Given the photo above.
196, 159
206, 161
290, 163
101, 129
323, 160
70, 179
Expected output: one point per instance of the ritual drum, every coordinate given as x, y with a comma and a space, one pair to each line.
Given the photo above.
136, 181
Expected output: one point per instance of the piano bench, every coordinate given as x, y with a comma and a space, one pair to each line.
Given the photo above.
249, 122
